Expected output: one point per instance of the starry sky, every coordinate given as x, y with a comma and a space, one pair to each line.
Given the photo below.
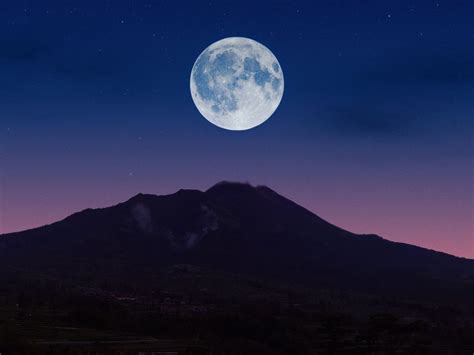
374, 132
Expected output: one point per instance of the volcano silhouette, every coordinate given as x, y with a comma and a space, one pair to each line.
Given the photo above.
233, 227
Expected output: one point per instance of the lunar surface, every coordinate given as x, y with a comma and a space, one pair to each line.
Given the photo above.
237, 83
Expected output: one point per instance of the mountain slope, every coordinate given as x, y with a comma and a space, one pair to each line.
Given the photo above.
233, 227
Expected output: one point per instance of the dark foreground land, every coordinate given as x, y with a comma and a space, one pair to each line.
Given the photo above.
195, 311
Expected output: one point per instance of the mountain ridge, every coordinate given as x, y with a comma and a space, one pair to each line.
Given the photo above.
222, 184
139, 197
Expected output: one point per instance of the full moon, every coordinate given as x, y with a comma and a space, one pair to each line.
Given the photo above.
236, 83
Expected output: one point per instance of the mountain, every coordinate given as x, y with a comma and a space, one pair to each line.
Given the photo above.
236, 228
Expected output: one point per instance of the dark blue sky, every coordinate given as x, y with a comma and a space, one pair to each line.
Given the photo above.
374, 132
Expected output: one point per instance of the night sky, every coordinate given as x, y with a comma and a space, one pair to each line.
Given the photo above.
374, 132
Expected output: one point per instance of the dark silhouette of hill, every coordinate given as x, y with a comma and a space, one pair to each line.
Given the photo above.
237, 228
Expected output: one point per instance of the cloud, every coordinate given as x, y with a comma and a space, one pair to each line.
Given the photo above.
88, 70
365, 120
142, 217
423, 68
401, 93
22, 50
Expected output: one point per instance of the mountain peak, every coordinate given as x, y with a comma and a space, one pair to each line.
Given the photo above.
218, 188
230, 185
239, 187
